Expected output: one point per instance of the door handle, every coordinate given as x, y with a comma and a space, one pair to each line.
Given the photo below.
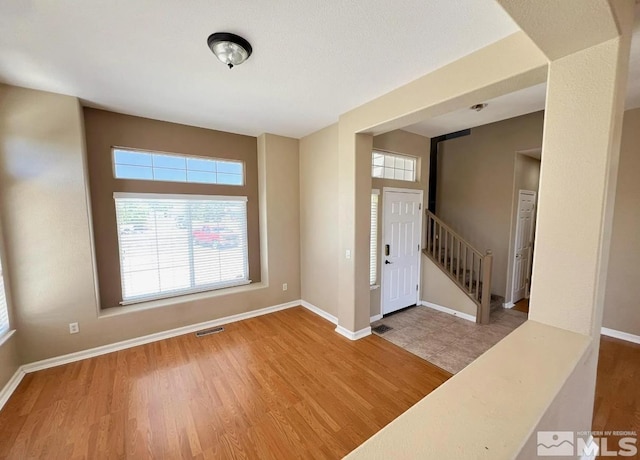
387, 262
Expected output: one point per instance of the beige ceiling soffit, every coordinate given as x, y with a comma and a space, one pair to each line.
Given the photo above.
561, 28
507, 65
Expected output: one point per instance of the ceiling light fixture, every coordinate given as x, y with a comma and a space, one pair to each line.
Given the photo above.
229, 48
478, 107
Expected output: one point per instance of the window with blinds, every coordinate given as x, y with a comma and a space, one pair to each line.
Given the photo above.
373, 245
4, 314
178, 244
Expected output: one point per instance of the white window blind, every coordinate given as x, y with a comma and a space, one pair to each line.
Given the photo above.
178, 244
373, 245
4, 314
386, 165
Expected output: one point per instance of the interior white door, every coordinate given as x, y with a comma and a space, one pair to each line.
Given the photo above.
402, 227
524, 243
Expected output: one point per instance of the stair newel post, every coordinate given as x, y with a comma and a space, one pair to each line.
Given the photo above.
485, 310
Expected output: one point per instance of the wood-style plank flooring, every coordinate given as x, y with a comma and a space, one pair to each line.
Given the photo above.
522, 305
617, 403
283, 385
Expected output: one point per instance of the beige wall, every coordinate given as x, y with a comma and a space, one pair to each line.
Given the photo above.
527, 173
622, 301
9, 360
319, 242
508, 65
104, 130
583, 114
439, 289
475, 185
399, 141
44, 192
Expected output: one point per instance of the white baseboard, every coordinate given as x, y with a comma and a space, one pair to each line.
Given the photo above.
375, 318
590, 451
319, 311
449, 311
508, 305
92, 352
339, 329
11, 386
353, 335
620, 335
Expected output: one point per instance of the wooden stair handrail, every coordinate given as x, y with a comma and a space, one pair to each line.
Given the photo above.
477, 286
453, 232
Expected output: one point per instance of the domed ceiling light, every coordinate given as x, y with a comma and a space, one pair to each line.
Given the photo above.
229, 48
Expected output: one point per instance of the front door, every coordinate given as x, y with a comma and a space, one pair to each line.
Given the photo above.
523, 244
402, 228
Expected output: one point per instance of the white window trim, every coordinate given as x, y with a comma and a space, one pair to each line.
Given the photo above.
182, 292
175, 196
175, 154
7, 332
395, 154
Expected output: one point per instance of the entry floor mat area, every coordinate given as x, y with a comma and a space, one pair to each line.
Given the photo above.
381, 329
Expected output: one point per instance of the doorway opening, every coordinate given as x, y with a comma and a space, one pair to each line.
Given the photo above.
522, 247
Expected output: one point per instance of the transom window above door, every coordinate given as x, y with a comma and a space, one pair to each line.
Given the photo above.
385, 165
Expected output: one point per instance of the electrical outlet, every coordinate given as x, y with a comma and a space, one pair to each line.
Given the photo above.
74, 328
285, 287
347, 254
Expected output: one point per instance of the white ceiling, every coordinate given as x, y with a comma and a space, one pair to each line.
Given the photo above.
508, 106
522, 102
312, 61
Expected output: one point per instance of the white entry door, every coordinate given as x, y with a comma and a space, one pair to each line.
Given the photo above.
401, 233
523, 244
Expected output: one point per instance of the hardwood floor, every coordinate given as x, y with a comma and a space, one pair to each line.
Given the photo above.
283, 385
522, 305
617, 403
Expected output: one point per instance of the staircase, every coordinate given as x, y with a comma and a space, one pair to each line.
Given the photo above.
465, 265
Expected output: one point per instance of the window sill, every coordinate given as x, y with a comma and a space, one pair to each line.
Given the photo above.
175, 295
178, 300
373, 287
6, 336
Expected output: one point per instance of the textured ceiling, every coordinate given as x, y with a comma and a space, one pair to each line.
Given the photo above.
522, 102
312, 61
508, 106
